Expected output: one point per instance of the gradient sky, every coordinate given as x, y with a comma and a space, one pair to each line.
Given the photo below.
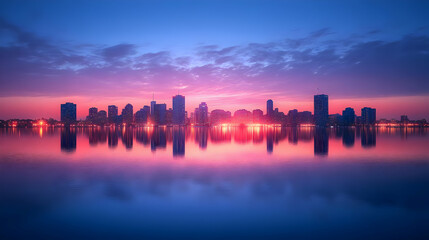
231, 54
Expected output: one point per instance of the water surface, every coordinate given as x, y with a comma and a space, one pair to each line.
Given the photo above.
214, 183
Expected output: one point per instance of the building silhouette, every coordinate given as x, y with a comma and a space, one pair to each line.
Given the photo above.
68, 113
159, 114
101, 117
270, 109
202, 114
292, 117
112, 113
152, 107
92, 114
321, 110
368, 116
142, 115
404, 119
179, 110
348, 117
305, 117
127, 114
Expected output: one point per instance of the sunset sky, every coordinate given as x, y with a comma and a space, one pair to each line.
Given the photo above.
230, 54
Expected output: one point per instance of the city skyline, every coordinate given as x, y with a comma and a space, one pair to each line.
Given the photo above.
286, 51
335, 107
157, 114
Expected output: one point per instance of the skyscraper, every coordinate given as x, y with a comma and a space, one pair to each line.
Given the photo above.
292, 117
270, 109
179, 109
349, 117
368, 116
68, 113
112, 112
202, 114
321, 110
152, 107
159, 113
92, 114
127, 114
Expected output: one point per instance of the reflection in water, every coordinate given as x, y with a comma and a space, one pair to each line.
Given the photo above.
178, 141
113, 137
158, 139
68, 139
161, 137
270, 140
368, 137
348, 136
321, 141
127, 137
201, 136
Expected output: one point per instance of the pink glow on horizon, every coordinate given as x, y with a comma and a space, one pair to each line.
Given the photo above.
37, 107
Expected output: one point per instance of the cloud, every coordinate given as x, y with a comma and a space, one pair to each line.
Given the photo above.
34, 66
118, 51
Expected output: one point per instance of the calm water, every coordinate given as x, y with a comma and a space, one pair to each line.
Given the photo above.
214, 183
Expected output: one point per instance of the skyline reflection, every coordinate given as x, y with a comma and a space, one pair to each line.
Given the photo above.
162, 137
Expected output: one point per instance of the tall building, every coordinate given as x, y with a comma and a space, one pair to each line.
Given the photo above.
68, 113
321, 110
202, 114
169, 116
349, 116
112, 113
127, 114
270, 109
152, 107
368, 116
92, 114
404, 119
179, 109
159, 113
292, 117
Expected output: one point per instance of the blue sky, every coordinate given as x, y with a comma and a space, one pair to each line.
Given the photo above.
179, 25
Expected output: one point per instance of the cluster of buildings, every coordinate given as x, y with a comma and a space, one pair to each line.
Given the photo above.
157, 114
